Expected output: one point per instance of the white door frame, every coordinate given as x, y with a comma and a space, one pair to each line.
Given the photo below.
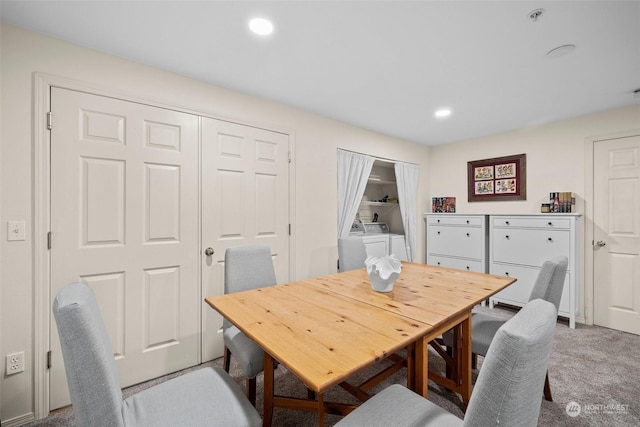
42, 83
589, 173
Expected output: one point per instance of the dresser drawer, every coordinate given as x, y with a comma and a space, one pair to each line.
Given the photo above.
474, 221
464, 242
529, 222
529, 247
458, 264
519, 292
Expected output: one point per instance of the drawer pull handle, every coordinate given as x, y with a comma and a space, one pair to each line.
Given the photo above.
506, 222
550, 239
467, 221
467, 234
507, 237
468, 268
438, 262
438, 221
438, 232
506, 274
550, 224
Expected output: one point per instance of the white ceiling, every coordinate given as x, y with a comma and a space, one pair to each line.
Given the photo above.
381, 65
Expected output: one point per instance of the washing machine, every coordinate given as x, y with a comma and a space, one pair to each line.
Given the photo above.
378, 241
398, 246
375, 241
376, 238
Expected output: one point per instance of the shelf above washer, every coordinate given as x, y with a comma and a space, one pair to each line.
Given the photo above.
380, 181
387, 206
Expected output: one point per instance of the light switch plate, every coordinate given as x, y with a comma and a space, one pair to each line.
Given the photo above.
16, 230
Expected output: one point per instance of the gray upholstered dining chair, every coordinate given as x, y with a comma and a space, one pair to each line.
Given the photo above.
351, 253
245, 268
548, 286
203, 397
507, 391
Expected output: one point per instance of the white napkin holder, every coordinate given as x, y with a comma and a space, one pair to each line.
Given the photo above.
383, 272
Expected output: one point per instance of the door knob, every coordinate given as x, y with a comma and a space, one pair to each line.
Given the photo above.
209, 251
601, 243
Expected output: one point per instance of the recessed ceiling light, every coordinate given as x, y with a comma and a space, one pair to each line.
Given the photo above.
261, 26
442, 113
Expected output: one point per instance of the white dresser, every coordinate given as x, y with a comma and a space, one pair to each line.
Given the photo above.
457, 241
519, 245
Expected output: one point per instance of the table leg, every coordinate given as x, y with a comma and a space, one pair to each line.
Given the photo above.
460, 378
421, 366
320, 410
268, 390
466, 360
411, 366
457, 350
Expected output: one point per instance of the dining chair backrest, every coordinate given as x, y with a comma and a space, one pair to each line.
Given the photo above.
508, 390
202, 397
88, 358
351, 253
550, 281
246, 268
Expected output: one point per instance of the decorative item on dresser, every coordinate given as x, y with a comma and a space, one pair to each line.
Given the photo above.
443, 204
457, 241
519, 245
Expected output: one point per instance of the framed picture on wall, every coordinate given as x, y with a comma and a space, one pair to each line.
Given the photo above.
497, 179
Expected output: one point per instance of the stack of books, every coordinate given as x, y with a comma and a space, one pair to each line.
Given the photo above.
562, 202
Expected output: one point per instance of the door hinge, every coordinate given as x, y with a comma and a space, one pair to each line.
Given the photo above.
49, 359
49, 120
49, 240
289, 229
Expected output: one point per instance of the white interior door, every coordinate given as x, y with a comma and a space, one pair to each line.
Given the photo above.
245, 201
124, 220
617, 234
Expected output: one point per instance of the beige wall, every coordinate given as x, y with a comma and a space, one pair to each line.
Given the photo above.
316, 140
556, 161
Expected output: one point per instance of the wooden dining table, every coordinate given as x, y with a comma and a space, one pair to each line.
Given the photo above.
326, 329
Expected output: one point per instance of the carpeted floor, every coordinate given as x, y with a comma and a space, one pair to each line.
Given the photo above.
597, 368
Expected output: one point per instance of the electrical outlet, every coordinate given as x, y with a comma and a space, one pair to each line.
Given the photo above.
15, 363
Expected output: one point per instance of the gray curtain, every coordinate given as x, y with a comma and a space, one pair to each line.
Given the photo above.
353, 172
407, 181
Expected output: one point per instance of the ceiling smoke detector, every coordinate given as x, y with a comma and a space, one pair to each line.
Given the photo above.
535, 14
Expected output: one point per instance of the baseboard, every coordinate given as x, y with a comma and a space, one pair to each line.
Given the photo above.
19, 421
